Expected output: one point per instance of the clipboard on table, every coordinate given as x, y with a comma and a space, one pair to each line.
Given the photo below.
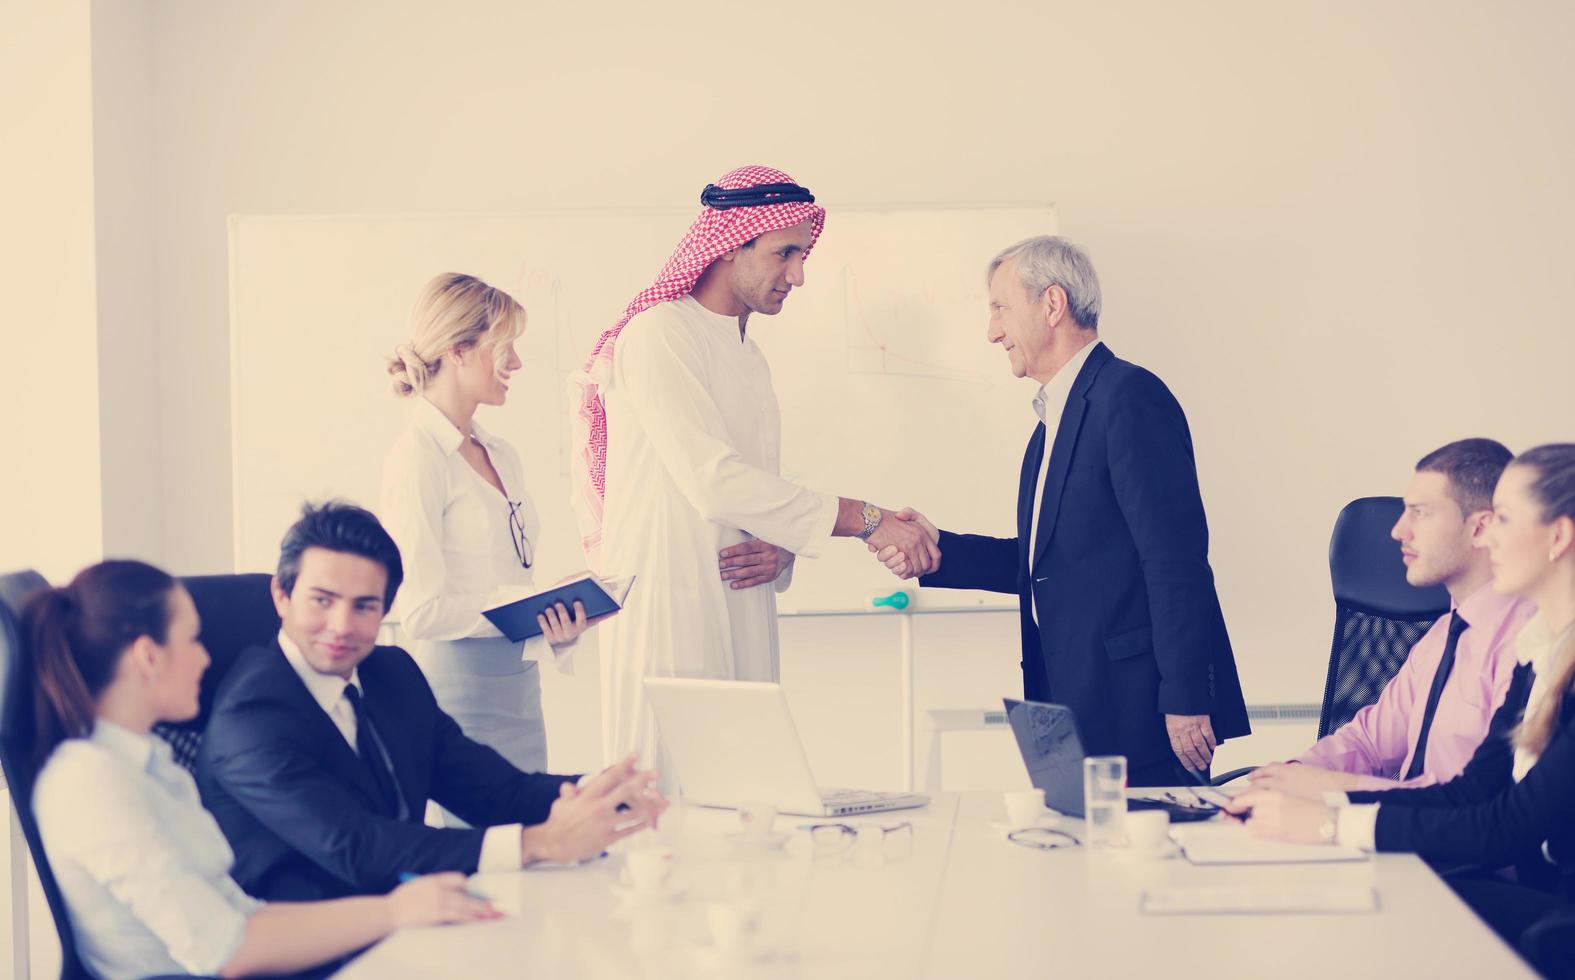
517, 619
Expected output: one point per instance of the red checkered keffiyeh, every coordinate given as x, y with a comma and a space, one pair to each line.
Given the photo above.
713, 233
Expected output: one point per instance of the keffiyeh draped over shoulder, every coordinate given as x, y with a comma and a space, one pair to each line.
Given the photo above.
715, 231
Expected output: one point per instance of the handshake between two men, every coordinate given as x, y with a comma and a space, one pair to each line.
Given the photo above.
898, 561
908, 544
904, 541
1192, 738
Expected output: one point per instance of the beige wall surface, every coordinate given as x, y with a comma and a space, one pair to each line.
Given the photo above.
50, 493
1341, 228
49, 433
124, 130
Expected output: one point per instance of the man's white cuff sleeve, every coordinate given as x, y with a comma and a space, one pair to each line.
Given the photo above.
501, 849
1357, 826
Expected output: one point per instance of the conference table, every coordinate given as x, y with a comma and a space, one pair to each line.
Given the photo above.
953, 898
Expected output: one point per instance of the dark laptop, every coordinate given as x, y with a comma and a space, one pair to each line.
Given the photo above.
1047, 738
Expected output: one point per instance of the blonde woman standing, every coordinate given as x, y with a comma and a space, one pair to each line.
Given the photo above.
454, 499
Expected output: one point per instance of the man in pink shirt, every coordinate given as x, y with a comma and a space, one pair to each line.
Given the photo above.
1434, 713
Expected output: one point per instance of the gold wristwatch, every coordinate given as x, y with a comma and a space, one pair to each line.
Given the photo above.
871, 515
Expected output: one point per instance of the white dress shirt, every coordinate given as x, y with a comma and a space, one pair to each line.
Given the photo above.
144, 869
1357, 824
500, 845
452, 528
1049, 404
328, 690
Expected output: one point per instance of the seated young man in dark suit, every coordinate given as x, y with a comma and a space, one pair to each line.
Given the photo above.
323, 748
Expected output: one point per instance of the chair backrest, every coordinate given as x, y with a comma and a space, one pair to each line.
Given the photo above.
16, 750
237, 612
1378, 615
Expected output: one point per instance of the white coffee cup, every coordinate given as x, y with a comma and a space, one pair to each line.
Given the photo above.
1148, 831
757, 820
733, 924
648, 868
1024, 807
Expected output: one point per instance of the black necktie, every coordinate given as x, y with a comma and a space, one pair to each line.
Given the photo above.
1457, 625
368, 745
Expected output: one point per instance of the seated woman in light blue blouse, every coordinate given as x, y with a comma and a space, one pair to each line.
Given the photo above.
142, 866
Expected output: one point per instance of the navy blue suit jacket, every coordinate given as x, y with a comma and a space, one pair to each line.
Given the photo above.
301, 810
1129, 627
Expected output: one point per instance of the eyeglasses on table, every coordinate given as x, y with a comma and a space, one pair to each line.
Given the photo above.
836, 836
1042, 838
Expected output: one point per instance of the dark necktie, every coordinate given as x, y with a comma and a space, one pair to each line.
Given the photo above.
1457, 625
369, 746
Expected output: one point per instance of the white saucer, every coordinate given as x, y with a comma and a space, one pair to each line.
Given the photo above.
1050, 821
1165, 853
713, 958
670, 890
768, 843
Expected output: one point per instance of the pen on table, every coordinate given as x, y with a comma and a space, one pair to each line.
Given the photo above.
1223, 800
405, 876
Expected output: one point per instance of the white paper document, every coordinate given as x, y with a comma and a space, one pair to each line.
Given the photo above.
1227, 842
1256, 899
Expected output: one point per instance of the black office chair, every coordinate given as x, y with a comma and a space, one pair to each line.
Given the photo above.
16, 751
237, 612
1378, 615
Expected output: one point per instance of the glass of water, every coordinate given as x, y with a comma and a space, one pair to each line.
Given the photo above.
1105, 800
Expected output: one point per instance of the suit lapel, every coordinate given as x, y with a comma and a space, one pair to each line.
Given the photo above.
335, 753
1025, 491
1061, 452
378, 706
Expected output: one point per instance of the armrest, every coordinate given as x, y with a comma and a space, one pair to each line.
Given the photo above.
1550, 944
1226, 777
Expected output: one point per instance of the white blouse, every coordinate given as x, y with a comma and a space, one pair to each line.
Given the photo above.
453, 530
143, 868
1537, 645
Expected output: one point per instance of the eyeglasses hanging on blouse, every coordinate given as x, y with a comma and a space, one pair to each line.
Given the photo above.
522, 548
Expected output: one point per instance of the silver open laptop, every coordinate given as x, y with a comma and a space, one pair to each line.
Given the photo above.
733, 743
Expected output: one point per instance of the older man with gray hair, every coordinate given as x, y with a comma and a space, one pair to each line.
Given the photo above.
1120, 620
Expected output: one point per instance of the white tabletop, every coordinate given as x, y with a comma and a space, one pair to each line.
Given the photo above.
961, 902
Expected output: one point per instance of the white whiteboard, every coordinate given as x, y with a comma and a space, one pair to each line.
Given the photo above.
887, 387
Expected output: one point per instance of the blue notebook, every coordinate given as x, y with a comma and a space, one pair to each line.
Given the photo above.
517, 619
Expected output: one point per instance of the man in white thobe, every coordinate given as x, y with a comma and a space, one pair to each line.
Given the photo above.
683, 485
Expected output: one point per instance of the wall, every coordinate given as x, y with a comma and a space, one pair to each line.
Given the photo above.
1392, 176
50, 499
124, 130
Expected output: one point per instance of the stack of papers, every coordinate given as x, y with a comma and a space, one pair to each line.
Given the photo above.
1227, 842
1259, 899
